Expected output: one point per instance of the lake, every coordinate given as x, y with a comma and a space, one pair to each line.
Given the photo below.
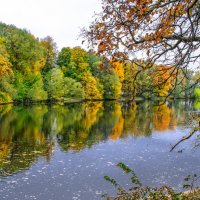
50, 152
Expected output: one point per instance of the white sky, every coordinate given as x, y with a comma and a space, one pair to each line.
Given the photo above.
61, 19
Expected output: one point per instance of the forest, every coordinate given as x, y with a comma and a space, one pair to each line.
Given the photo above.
33, 69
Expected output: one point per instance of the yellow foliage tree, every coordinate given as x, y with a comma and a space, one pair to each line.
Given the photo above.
118, 69
5, 73
5, 67
79, 58
90, 86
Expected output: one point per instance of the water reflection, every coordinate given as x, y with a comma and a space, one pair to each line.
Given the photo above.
27, 133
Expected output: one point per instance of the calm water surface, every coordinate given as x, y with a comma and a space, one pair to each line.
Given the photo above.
62, 152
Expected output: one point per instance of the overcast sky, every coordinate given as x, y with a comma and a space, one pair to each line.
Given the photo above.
61, 19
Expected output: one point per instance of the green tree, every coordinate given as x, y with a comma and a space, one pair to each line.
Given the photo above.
29, 87
3, 50
36, 92
64, 57
112, 86
55, 84
73, 89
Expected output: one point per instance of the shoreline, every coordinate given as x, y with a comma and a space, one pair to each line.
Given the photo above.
31, 102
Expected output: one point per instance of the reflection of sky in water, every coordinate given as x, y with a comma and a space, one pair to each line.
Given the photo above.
68, 174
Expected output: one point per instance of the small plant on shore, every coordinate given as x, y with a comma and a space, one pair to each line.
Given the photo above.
140, 192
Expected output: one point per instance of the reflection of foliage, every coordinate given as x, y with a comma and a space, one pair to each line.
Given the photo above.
59, 118
20, 156
191, 122
29, 132
161, 118
138, 119
118, 127
23, 122
91, 110
21, 139
78, 134
4, 109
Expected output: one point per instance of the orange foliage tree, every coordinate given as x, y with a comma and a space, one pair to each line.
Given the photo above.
163, 78
164, 32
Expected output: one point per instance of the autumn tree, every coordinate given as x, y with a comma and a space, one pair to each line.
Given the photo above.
90, 85
50, 52
24, 50
6, 73
5, 67
163, 78
118, 69
136, 83
164, 32
78, 63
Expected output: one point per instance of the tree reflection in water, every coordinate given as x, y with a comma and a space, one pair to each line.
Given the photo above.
27, 133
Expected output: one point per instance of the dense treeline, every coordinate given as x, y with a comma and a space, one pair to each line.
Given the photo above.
32, 69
